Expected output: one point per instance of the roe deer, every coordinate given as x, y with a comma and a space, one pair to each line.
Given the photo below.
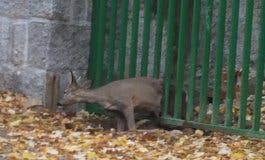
121, 97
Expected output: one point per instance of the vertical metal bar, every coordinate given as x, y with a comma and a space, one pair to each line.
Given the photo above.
100, 42
134, 35
94, 50
112, 37
159, 32
123, 38
169, 53
194, 53
245, 64
181, 60
205, 61
260, 70
93, 39
231, 63
146, 37
219, 61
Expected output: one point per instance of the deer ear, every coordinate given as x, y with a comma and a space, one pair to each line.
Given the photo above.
87, 84
73, 80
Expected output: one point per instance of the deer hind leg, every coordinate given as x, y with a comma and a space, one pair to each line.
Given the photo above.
129, 116
120, 120
157, 113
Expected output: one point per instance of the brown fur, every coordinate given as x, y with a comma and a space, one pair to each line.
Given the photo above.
121, 96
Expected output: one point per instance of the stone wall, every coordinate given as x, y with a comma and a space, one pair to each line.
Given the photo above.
37, 36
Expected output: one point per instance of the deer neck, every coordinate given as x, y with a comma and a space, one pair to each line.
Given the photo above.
90, 97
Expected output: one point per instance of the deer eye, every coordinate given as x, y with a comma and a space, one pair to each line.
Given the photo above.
65, 92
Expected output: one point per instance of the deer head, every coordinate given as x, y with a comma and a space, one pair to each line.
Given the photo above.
74, 93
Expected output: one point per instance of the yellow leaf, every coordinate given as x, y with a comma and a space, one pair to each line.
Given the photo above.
20, 146
238, 155
85, 145
142, 149
51, 158
29, 119
121, 141
72, 148
52, 151
15, 123
181, 141
91, 155
27, 155
197, 109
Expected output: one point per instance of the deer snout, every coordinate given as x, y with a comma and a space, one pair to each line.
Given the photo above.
62, 103
66, 102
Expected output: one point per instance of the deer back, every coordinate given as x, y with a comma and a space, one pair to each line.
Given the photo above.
133, 92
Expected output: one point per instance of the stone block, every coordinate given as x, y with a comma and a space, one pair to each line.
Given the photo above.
38, 47
8, 77
31, 82
5, 39
19, 43
58, 46
69, 47
89, 10
14, 8
79, 8
50, 9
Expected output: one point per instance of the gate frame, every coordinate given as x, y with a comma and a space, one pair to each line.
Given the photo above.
97, 53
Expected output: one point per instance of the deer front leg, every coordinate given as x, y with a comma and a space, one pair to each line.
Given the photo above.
129, 116
121, 122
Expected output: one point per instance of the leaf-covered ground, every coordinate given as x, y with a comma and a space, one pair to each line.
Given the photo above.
34, 133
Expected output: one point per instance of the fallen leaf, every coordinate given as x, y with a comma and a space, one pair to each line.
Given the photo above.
199, 133
27, 155
238, 155
9, 99
72, 148
224, 151
52, 151
15, 123
91, 155
11, 111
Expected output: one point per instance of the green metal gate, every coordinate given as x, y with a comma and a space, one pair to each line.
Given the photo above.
182, 20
